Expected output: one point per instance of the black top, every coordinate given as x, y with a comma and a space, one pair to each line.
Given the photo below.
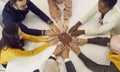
11, 15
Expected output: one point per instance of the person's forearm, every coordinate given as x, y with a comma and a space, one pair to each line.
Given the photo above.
54, 10
89, 15
79, 23
78, 32
38, 12
92, 65
104, 41
68, 9
69, 65
97, 67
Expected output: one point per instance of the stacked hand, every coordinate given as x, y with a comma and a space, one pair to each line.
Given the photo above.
75, 48
65, 52
54, 29
51, 33
74, 30
62, 50
59, 49
52, 40
62, 26
60, 34
80, 41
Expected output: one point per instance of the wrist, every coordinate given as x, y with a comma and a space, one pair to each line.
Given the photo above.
82, 31
50, 22
79, 23
78, 53
86, 40
53, 55
43, 32
66, 59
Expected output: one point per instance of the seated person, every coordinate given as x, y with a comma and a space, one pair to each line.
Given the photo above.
15, 11
108, 18
114, 54
12, 42
51, 65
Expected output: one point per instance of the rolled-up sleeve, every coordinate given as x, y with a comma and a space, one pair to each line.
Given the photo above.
103, 29
89, 15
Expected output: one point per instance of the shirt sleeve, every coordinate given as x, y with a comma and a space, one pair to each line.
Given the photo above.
95, 67
7, 18
33, 38
70, 67
25, 53
38, 12
89, 15
104, 41
103, 29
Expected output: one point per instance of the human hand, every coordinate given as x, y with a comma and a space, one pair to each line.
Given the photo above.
74, 28
52, 38
65, 53
80, 41
50, 33
60, 26
65, 38
59, 49
77, 33
53, 41
55, 29
75, 48
65, 28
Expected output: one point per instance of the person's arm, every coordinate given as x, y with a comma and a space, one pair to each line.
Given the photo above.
69, 65
77, 33
73, 31
68, 9
51, 64
65, 55
33, 38
43, 16
92, 65
95, 67
54, 10
95, 31
10, 19
103, 29
38, 12
26, 53
89, 15
104, 41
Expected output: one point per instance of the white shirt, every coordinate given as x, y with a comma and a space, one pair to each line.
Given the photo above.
111, 21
